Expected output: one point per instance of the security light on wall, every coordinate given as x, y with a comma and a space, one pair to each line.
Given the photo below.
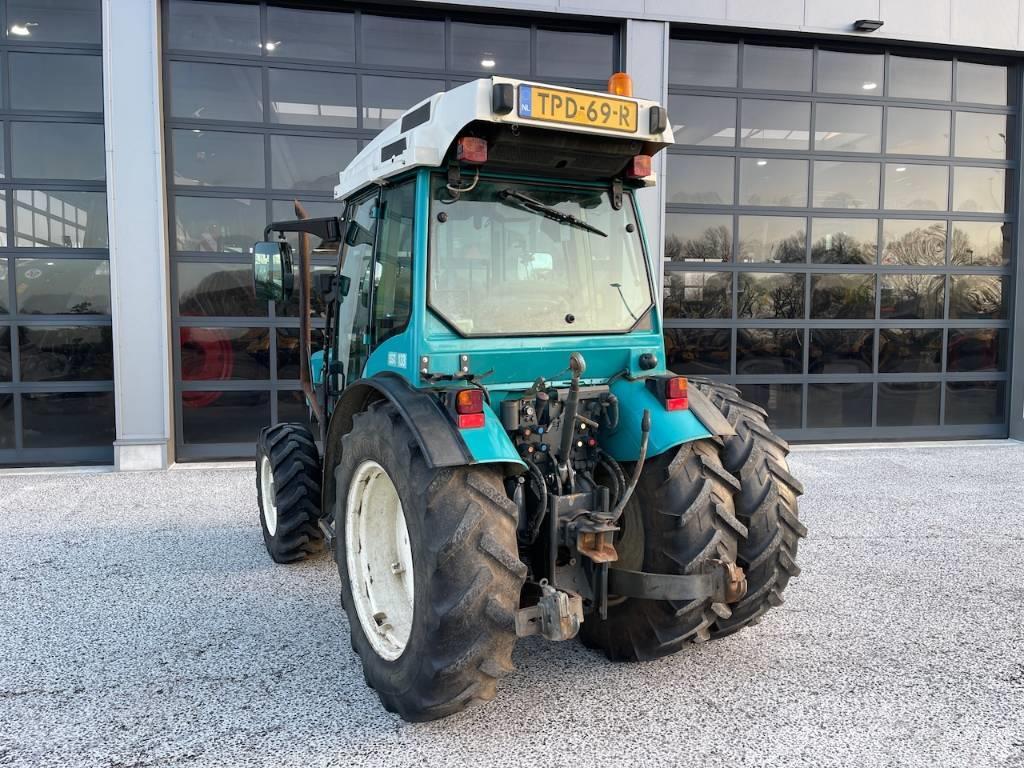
867, 25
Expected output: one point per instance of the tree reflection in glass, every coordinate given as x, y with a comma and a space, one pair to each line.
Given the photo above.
912, 297
771, 295
713, 244
690, 295
981, 243
977, 297
846, 297
914, 243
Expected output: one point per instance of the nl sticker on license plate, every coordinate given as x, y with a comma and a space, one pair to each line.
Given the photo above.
557, 106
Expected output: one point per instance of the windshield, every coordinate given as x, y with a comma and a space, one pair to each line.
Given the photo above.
511, 257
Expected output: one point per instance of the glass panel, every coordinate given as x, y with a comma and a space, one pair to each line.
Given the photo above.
910, 350
783, 402
979, 189
775, 124
911, 78
223, 417
698, 237
910, 404
54, 21
771, 295
5, 353
217, 290
769, 351
292, 408
3, 286
397, 42
693, 62
218, 224
774, 239
216, 92
65, 353
698, 351
300, 97
977, 349
68, 419
975, 402
838, 405
304, 162
847, 128
917, 132
845, 185
586, 55
835, 351
317, 307
56, 82
217, 159
288, 356
386, 98
977, 297
912, 297
213, 26
981, 243
691, 295
844, 241
58, 151
777, 69
916, 187
856, 73
773, 182
491, 49
700, 179
224, 354
6, 421
55, 218
913, 242
981, 83
703, 120
843, 297
302, 34
63, 286
981, 135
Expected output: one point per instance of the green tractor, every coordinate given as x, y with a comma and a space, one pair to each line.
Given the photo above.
500, 450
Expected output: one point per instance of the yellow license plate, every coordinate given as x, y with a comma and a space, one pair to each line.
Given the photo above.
555, 106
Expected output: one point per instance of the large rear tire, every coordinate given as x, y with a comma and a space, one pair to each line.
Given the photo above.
680, 516
766, 504
441, 635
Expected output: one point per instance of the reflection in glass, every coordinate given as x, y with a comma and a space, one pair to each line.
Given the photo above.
5, 354
979, 189
54, 21
777, 69
696, 62
861, 74
975, 402
61, 82
912, 297
771, 295
490, 48
217, 290
58, 151
838, 405
317, 307
218, 225
916, 187
6, 422
211, 26
981, 83
215, 91
65, 353
843, 241
3, 287
847, 128
49, 218
288, 356
308, 162
981, 243
703, 120
908, 404
977, 297
977, 349
769, 351
301, 97
67, 419
292, 408
698, 351
224, 417
843, 297
773, 182
304, 34
63, 286
845, 185
913, 242
224, 354
913, 78
981, 135
909, 350
768, 124
783, 402
700, 179
398, 42
917, 132
773, 239
698, 237
386, 98
575, 54
693, 295
217, 158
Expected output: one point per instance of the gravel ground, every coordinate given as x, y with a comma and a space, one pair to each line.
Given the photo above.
143, 624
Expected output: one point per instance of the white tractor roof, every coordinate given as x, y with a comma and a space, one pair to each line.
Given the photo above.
422, 136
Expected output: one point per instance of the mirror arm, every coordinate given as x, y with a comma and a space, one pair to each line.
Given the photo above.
327, 228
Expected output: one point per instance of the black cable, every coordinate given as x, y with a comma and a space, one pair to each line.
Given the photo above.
542, 496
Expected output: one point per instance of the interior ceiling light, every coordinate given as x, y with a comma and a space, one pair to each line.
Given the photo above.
869, 86
23, 30
901, 169
487, 63
270, 45
762, 162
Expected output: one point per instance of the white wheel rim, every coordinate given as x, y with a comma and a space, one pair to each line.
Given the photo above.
269, 495
379, 560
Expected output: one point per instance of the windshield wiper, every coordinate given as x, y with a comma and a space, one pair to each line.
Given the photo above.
554, 214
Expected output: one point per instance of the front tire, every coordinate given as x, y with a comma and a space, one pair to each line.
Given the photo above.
288, 490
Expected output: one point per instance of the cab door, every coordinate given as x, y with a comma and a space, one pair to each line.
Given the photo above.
357, 265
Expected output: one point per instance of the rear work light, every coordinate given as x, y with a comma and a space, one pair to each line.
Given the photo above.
469, 408
471, 150
639, 167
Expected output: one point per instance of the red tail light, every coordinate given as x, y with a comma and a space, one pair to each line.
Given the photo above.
469, 408
471, 150
677, 394
639, 167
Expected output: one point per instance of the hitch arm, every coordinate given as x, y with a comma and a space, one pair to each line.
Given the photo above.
722, 581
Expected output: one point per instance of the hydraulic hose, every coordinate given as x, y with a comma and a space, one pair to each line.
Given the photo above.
542, 498
645, 433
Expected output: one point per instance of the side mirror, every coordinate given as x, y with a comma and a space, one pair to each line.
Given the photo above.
272, 271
